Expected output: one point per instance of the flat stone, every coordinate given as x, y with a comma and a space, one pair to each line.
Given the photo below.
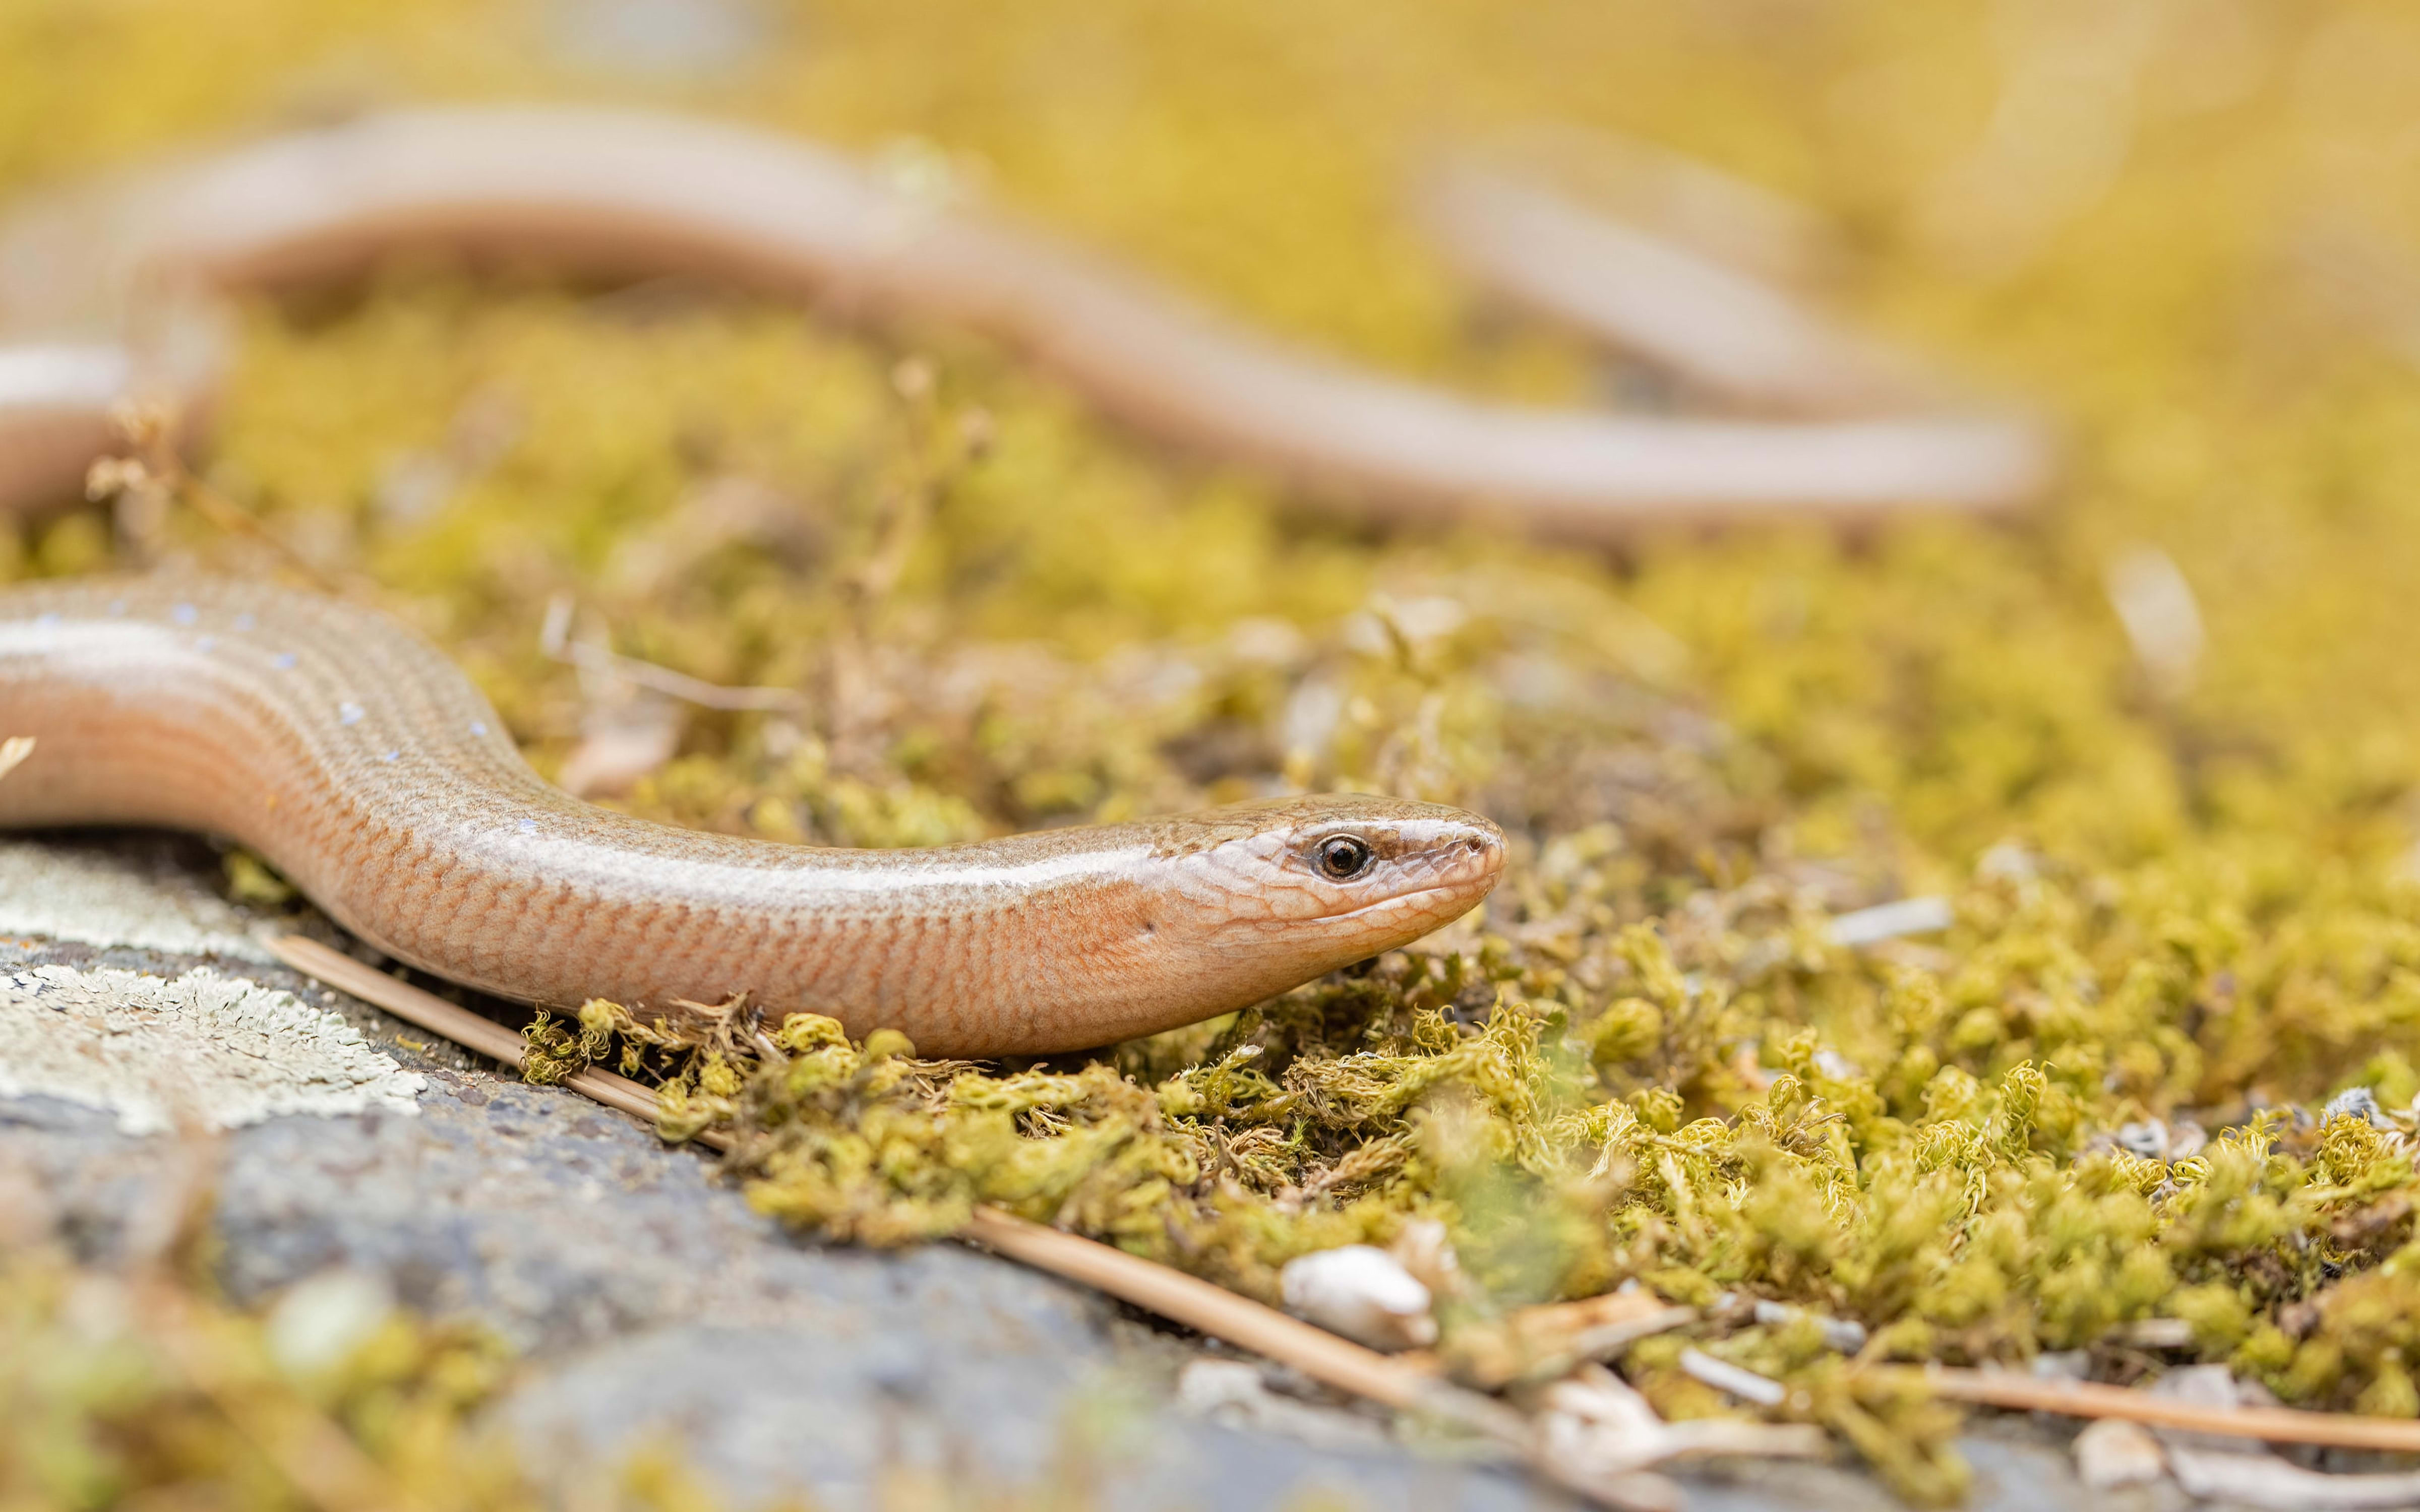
216, 1050
1056, 1414
654, 1307
129, 894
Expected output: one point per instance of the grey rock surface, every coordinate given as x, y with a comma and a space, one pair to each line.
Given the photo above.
654, 1308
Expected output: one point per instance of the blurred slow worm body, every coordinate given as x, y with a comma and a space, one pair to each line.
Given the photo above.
106, 291
369, 769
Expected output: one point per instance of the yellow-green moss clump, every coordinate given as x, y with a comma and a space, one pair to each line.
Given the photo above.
2183, 913
144, 1389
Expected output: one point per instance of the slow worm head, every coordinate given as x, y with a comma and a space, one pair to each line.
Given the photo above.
364, 766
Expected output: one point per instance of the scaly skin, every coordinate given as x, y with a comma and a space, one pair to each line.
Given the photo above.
369, 769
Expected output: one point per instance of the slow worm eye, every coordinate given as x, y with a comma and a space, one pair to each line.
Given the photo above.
1343, 858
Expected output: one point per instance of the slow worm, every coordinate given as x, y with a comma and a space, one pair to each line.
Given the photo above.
364, 766
108, 290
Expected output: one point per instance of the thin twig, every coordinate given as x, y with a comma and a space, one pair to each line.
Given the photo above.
155, 470
1317, 1353
235, 520
1211, 1310
554, 638
459, 1024
2084, 1398
1536, 1343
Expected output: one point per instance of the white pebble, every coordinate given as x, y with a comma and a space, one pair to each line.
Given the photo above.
1361, 1292
1888, 921
2162, 618
2112, 1453
1738, 1381
317, 1325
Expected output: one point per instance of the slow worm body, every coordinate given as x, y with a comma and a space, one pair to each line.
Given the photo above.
363, 764
122, 272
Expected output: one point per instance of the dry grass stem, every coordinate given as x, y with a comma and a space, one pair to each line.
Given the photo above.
144, 484
468, 1029
1317, 1353
2080, 1398
597, 659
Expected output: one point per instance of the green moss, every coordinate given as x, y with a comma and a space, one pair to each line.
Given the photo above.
130, 1389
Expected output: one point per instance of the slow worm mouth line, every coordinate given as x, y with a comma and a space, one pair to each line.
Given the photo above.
1404, 898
